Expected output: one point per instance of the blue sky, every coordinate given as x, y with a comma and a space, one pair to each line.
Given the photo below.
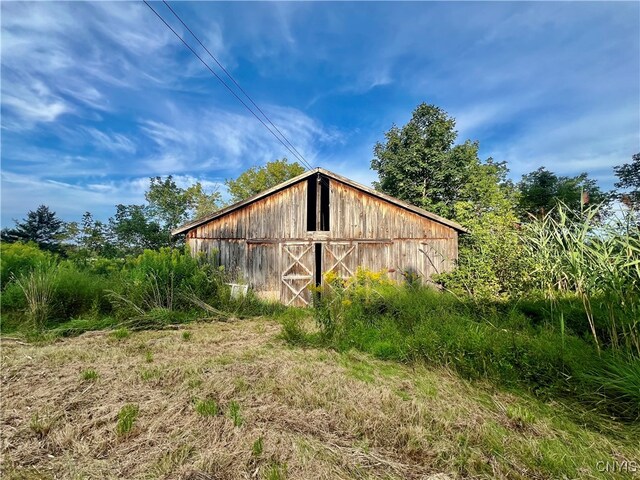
97, 97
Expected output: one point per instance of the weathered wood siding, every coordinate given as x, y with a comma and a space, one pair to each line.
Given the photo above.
356, 214
280, 216
266, 244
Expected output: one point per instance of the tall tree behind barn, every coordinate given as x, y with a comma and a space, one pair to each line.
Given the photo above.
286, 238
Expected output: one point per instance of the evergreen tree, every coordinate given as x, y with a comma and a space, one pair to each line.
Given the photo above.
41, 226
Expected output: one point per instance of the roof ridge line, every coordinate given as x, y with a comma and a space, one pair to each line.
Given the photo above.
281, 186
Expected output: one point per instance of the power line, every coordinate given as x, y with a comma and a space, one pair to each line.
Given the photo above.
299, 155
225, 84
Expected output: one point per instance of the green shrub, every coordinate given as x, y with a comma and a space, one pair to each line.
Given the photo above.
292, 331
126, 418
186, 335
162, 278
19, 259
12, 298
80, 292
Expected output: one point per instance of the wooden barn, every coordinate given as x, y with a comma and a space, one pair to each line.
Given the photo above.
286, 238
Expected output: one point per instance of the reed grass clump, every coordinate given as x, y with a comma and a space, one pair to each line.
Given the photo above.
38, 288
598, 262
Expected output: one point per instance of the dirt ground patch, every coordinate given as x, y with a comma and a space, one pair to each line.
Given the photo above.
232, 401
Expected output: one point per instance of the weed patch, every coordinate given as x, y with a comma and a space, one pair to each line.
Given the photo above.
41, 424
235, 414
90, 375
207, 407
126, 419
275, 471
120, 333
257, 447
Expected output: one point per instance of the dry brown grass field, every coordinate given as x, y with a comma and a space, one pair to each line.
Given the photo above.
233, 401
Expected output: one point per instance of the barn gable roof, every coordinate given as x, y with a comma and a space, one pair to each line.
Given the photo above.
222, 212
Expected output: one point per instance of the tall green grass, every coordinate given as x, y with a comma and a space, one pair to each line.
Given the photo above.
575, 253
509, 343
155, 289
38, 288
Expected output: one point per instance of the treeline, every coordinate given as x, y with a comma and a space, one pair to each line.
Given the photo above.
135, 228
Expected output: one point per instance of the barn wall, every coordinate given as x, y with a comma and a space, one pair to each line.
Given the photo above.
266, 243
356, 214
278, 216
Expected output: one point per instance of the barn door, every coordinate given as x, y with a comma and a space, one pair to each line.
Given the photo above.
340, 258
432, 258
297, 261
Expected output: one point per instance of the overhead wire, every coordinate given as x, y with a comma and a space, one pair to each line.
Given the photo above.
299, 156
292, 151
290, 147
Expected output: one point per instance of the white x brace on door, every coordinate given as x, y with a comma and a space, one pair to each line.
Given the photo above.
297, 273
340, 257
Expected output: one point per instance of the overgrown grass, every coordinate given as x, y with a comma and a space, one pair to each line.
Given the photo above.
44, 296
38, 288
500, 342
598, 263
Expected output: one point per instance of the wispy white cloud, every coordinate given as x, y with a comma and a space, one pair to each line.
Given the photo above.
97, 95
32, 101
115, 142
592, 143
213, 138
64, 58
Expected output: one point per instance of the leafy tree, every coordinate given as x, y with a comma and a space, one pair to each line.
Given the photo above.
41, 226
541, 190
168, 203
258, 179
171, 205
201, 202
491, 262
134, 231
629, 179
94, 236
419, 163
